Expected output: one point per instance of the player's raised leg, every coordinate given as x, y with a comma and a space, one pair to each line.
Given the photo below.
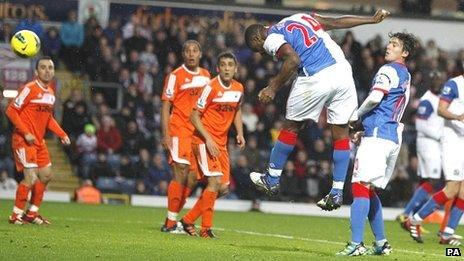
341, 160
270, 180
448, 236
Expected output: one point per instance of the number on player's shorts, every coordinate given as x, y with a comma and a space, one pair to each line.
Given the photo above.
308, 40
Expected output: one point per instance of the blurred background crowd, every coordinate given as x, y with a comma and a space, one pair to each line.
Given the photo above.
119, 147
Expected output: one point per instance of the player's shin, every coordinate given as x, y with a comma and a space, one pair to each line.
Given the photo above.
37, 194
359, 211
376, 218
175, 191
21, 198
341, 160
421, 195
455, 216
438, 199
279, 154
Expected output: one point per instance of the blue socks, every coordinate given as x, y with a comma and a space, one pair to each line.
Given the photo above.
279, 154
438, 199
341, 160
421, 195
376, 217
455, 216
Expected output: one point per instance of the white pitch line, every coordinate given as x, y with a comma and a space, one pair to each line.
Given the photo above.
251, 233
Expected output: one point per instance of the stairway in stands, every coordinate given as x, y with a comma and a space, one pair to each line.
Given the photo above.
63, 177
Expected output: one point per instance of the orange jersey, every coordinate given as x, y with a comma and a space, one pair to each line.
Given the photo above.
183, 87
32, 111
218, 105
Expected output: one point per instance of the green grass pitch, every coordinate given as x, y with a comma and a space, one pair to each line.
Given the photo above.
83, 232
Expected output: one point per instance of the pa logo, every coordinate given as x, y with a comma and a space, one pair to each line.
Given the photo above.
453, 251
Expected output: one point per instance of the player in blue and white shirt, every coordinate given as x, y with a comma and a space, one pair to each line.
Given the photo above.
450, 107
375, 160
429, 127
323, 79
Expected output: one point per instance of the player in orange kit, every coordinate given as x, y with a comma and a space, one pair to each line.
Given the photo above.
32, 114
215, 111
182, 89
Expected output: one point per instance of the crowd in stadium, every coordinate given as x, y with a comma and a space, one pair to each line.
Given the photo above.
120, 149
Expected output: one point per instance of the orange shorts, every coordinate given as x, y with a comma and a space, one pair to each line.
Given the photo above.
211, 166
29, 156
180, 151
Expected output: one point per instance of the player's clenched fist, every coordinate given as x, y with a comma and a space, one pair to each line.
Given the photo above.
380, 15
266, 95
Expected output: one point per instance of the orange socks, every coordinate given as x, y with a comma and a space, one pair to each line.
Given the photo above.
37, 194
21, 198
185, 195
175, 192
195, 212
448, 207
207, 207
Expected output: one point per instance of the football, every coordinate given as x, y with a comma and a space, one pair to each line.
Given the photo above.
25, 44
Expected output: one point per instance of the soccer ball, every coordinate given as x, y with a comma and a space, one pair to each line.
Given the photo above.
25, 44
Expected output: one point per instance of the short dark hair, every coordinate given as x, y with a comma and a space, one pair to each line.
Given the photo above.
227, 54
40, 59
251, 31
191, 41
409, 42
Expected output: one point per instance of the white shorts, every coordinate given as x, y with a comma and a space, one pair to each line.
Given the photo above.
429, 157
333, 87
453, 160
375, 161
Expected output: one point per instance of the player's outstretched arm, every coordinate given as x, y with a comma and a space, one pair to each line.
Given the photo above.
290, 64
195, 118
239, 128
348, 21
54, 127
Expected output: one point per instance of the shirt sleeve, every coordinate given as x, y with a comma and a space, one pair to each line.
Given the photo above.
449, 92
273, 43
205, 99
424, 110
385, 79
169, 89
14, 108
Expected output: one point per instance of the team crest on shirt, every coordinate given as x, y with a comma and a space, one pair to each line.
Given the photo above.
446, 90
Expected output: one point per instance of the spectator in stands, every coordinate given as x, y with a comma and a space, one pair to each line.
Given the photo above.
137, 42
109, 140
72, 37
312, 181
142, 79
126, 169
133, 140
92, 53
133, 62
140, 188
112, 31
86, 146
320, 151
101, 168
142, 166
31, 23
6, 162
148, 56
241, 175
159, 176
51, 44
75, 114
87, 193
256, 159
6, 182
249, 118
6, 32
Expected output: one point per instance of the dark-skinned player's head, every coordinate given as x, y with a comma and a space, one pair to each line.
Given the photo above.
191, 52
255, 37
